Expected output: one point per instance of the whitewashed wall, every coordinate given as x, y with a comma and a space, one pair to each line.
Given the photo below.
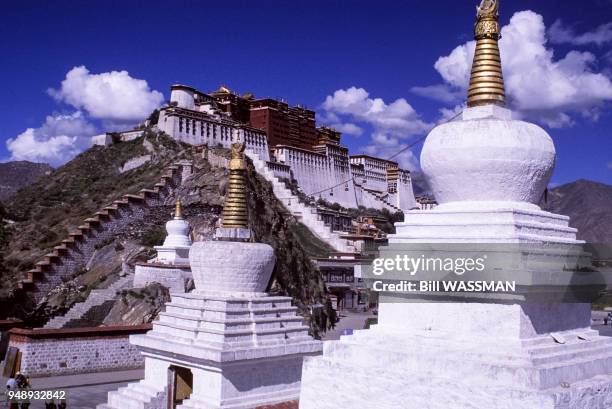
212, 131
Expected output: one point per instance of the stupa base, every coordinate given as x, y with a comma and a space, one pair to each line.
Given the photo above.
237, 352
484, 222
390, 367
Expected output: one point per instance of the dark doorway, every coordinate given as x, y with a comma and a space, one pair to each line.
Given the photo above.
180, 385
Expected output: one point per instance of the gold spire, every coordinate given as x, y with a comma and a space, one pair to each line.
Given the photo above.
486, 80
235, 212
178, 212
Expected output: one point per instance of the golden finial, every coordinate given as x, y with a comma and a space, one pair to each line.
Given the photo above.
486, 80
178, 212
235, 211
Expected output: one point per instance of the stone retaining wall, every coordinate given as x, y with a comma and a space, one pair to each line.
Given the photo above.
46, 352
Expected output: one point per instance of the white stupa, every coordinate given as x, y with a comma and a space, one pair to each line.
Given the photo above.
488, 172
227, 344
175, 249
170, 267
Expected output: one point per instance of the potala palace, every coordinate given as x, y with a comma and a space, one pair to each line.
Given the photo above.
287, 139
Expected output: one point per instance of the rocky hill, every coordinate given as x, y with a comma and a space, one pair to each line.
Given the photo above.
46, 211
19, 174
589, 206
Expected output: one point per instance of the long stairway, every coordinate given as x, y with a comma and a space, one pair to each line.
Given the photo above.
382, 198
74, 251
304, 213
95, 299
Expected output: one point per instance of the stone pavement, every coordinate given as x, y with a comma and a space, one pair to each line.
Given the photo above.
84, 391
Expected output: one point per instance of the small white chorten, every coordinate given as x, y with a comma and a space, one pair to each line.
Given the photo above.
175, 249
171, 265
488, 172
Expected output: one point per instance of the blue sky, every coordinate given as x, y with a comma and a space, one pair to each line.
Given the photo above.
366, 67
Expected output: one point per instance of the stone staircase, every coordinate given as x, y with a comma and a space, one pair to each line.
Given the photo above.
304, 213
95, 298
74, 251
138, 395
380, 198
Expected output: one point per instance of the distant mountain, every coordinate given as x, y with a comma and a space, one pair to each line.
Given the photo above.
589, 206
19, 174
420, 185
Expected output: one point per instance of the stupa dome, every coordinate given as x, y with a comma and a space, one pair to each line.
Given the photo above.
488, 157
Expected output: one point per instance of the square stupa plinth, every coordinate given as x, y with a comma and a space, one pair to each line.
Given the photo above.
241, 347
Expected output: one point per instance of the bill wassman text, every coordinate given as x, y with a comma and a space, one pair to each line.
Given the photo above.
445, 286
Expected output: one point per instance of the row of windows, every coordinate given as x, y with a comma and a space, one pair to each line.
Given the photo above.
206, 129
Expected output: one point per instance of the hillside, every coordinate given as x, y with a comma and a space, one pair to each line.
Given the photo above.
45, 212
589, 206
19, 174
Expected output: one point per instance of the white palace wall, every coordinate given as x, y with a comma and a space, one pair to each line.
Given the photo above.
200, 128
316, 173
405, 193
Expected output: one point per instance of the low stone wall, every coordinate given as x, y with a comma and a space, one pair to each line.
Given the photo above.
64, 351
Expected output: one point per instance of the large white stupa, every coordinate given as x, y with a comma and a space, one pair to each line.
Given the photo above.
488, 171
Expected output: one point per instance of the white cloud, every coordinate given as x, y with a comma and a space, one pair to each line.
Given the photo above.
537, 85
439, 92
559, 33
56, 141
449, 114
387, 147
347, 128
393, 124
113, 96
397, 117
